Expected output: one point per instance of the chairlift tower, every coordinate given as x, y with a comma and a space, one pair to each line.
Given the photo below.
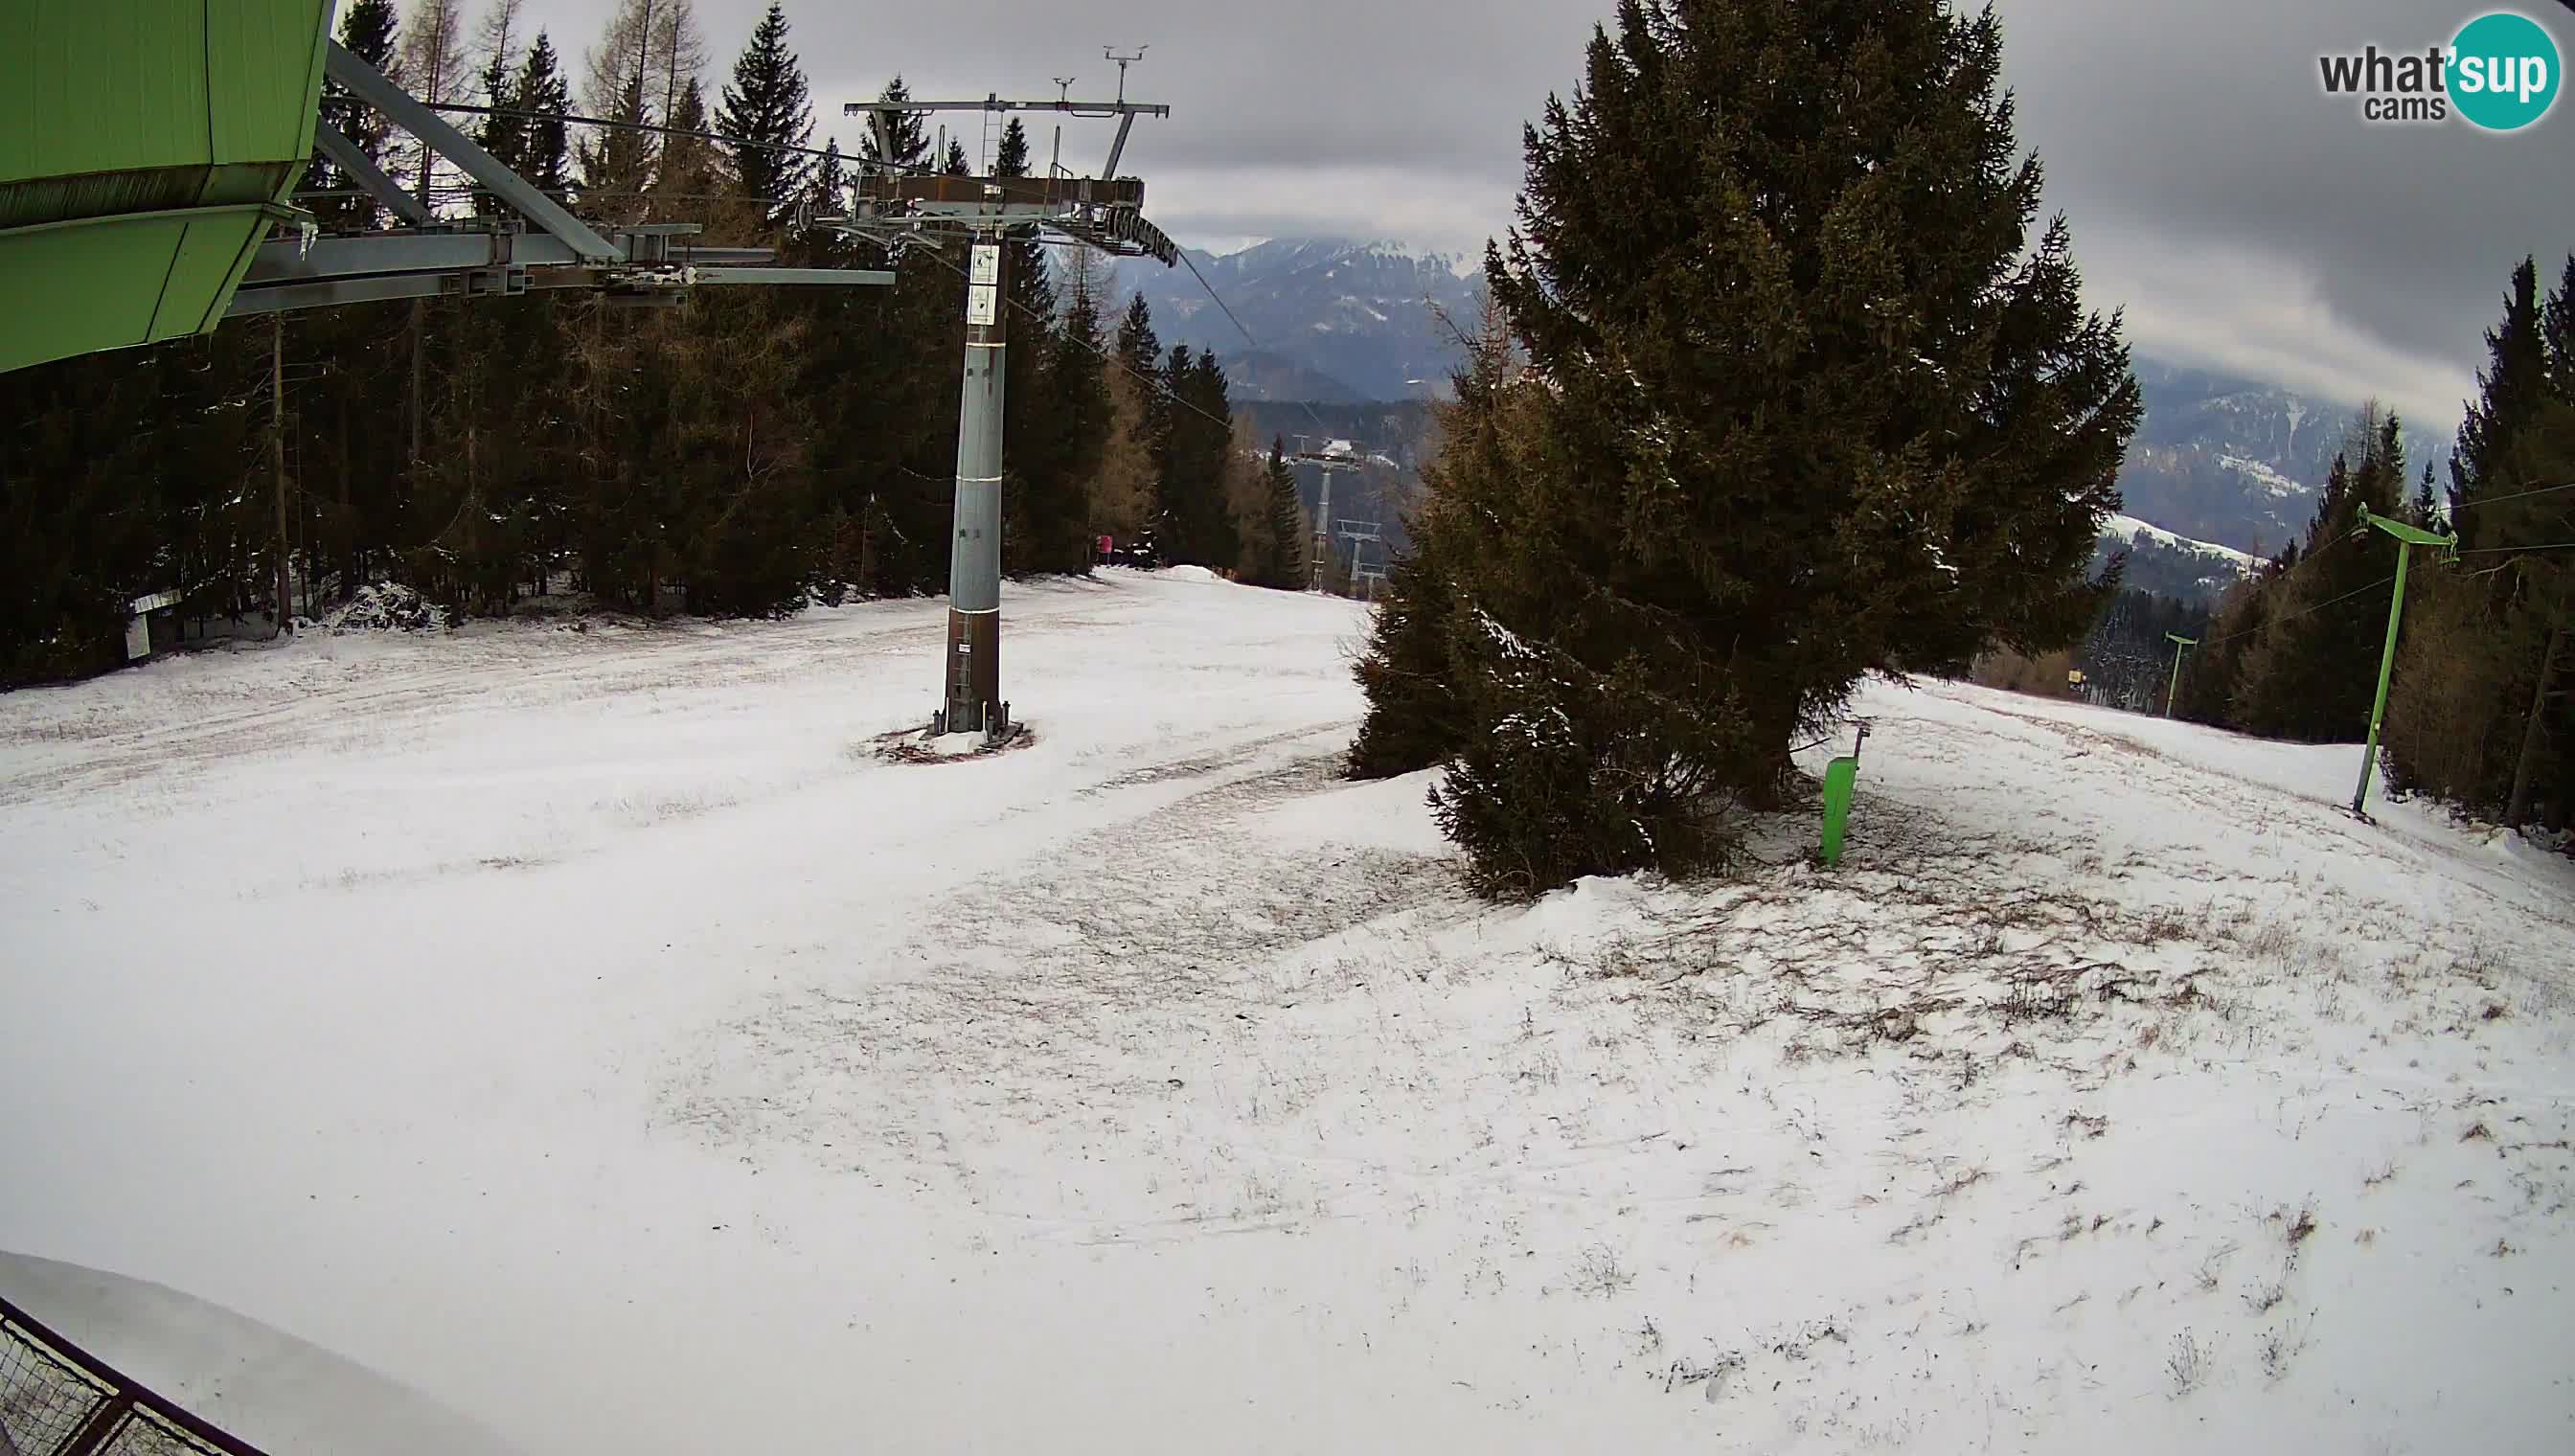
1358, 533
897, 207
1337, 457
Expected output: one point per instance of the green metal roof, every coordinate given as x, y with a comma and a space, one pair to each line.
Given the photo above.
146, 146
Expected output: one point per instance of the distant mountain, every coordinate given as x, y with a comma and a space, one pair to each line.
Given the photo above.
2237, 463
2219, 462
2174, 565
1339, 321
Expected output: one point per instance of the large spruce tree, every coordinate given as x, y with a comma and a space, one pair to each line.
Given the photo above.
766, 110
1282, 563
545, 150
2510, 391
1807, 403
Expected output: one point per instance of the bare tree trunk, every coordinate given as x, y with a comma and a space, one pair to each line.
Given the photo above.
2517, 813
277, 457
349, 567
419, 331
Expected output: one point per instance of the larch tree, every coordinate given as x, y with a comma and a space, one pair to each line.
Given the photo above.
502, 130
434, 65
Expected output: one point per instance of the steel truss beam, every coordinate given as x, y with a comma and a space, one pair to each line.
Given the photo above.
371, 267
485, 258
363, 170
372, 87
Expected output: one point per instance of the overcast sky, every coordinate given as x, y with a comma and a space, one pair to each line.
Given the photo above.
2244, 220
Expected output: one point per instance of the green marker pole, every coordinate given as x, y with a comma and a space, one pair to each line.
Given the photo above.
2187, 642
2407, 537
1840, 776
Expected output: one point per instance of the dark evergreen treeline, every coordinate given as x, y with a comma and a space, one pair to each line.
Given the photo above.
2480, 711
2127, 660
752, 450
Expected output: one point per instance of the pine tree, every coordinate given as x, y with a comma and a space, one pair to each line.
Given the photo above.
544, 147
828, 189
2510, 390
1143, 442
825, 193
687, 176
1077, 379
766, 108
2557, 332
366, 29
2426, 512
957, 165
500, 131
1284, 565
1175, 459
1138, 348
617, 163
1193, 522
1415, 718
907, 130
1810, 404
1213, 513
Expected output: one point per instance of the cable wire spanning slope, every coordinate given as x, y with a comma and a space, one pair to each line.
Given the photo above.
1227, 310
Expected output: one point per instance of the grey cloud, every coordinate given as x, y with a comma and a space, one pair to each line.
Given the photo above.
2243, 219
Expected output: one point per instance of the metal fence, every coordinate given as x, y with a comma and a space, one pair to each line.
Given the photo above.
58, 1400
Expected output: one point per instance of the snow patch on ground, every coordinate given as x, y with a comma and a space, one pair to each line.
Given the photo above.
385, 606
592, 1029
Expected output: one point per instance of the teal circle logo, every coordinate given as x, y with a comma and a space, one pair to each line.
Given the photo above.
2504, 71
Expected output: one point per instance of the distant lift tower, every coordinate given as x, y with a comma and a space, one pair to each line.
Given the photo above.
1358, 533
1336, 457
897, 208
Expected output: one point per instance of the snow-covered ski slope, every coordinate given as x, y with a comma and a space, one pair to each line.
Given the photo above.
586, 1030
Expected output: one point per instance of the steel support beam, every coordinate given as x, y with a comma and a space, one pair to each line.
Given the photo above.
371, 86
503, 280
1118, 148
279, 298
829, 277
362, 170
996, 103
362, 255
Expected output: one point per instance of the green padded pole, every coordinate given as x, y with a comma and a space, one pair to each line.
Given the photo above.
1840, 776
